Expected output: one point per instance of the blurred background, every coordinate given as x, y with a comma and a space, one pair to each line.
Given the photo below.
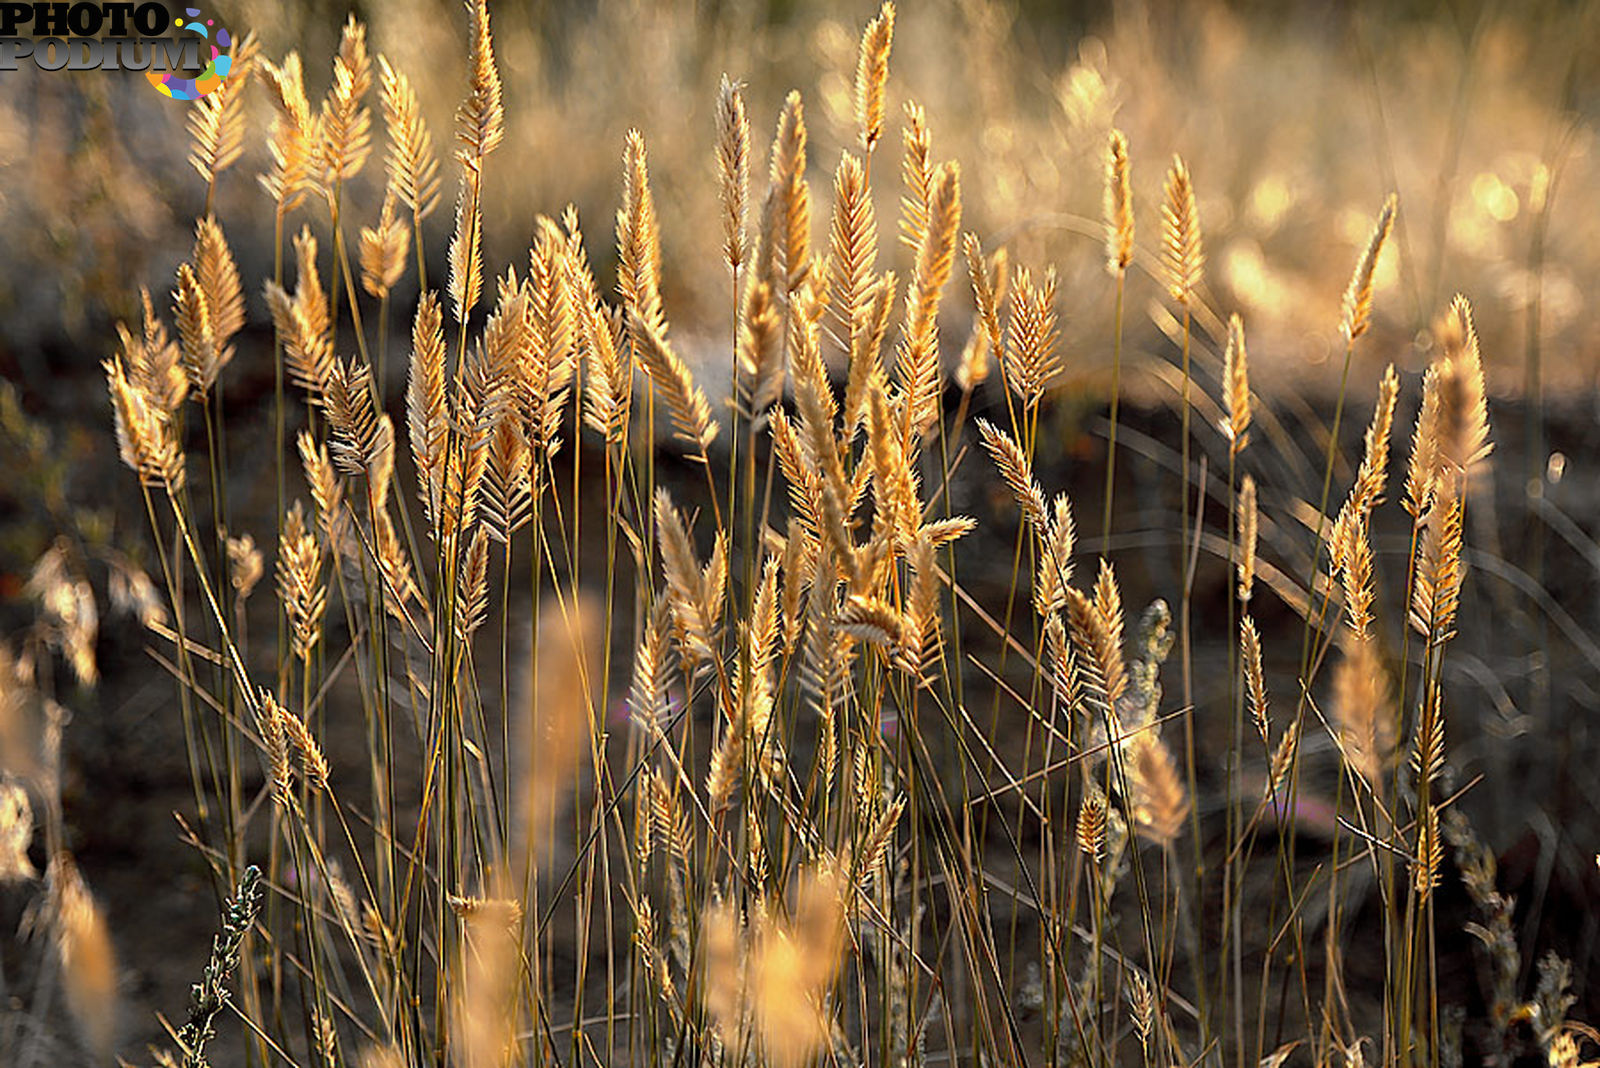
1295, 119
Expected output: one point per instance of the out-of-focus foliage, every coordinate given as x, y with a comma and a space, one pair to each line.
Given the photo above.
1295, 122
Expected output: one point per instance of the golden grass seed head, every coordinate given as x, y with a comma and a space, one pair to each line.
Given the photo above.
16, 832
1255, 680
480, 120
872, 76
1182, 255
1236, 387
383, 250
413, 168
1118, 205
1357, 308
244, 564
88, 959
733, 169
1249, 527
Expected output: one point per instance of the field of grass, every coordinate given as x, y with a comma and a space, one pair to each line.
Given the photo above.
1073, 550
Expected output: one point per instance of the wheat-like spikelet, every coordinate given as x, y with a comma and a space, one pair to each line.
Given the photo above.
872, 76
327, 492
696, 602
1236, 387
916, 173
413, 168
146, 440
293, 136
1249, 525
465, 284
896, 493
608, 383
1283, 758
691, 411
1373, 476
88, 960
274, 739
1098, 641
1255, 681
216, 121
300, 585
1018, 474
1427, 749
350, 409
1463, 408
1357, 308
1182, 256
313, 765
761, 370
1118, 205
1160, 803
346, 124
427, 406
639, 240
302, 321
1423, 468
480, 120
153, 361
506, 497
546, 370
986, 293
733, 169
1091, 827
1030, 352
1429, 854
383, 250
1054, 570
203, 356
854, 247
1440, 571
790, 194
1363, 710
917, 362
218, 276
1354, 553
866, 348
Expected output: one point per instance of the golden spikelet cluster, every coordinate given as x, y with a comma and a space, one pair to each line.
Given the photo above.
872, 76
1182, 257
302, 321
146, 438
1255, 679
346, 121
1118, 205
789, 195
300, 587
639, 241
413, 168
918, 359
480, 120
293, 136
1160, 802
383, 251
1249, 527
1357, 308
1236, 387
216, 121
691, 411
1031, 337
733, 169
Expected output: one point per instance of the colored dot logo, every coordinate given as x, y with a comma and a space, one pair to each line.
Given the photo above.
173, 83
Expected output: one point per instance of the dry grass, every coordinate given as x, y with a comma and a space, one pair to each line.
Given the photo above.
854, 808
